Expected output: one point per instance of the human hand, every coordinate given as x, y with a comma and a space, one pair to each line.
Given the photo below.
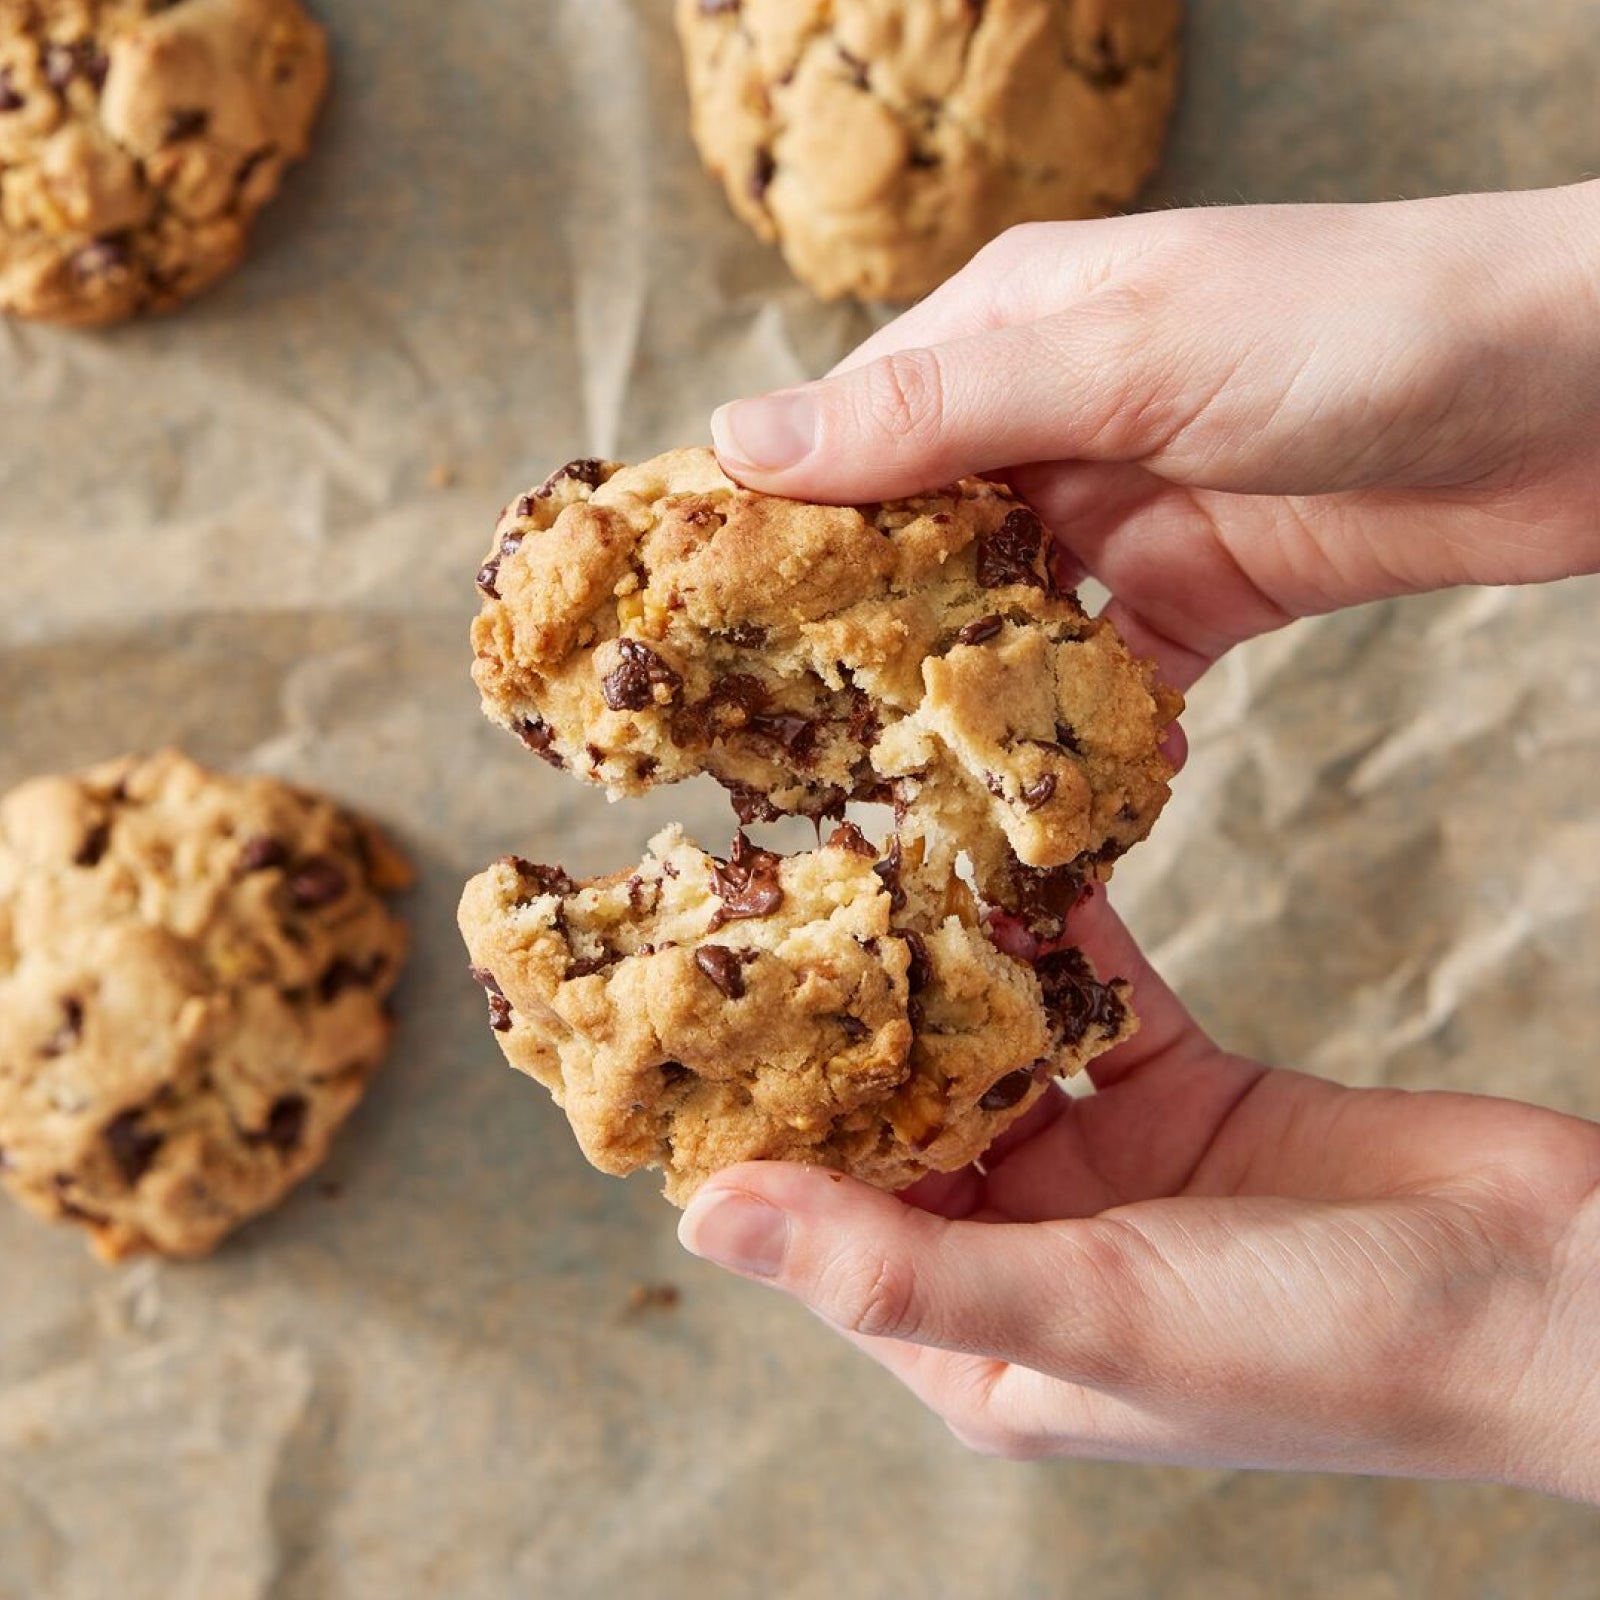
1214, 1263
1238, 417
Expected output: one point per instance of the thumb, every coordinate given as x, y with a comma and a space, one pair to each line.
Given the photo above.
1067, 1298
1054, 390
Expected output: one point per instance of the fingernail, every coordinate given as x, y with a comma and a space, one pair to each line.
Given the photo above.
736, 1231
766, 435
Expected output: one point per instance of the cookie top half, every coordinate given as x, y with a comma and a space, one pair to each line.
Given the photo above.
880, 143
138, 138
193, 975
643, 625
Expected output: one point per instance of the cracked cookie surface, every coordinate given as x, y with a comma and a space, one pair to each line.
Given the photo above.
643, 625
193, 975
138, 139
880, 143
827, 1007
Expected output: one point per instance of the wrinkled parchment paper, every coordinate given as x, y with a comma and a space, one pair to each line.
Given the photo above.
424, 1376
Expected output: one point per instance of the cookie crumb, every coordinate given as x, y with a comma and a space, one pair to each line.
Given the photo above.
443, 475
644, 1298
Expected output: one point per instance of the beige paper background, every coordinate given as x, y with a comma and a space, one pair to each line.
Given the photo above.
421, 1377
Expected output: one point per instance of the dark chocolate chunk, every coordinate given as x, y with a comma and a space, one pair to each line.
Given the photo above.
316, 882
1039, 792
250, 166
10, 100
587, 471
132, 1148
488, 574
889, 871
83, 58
342, 974
995, 785
733, 701
864, 727
1044, 896
762, 174
1008, 1091
286, 1124
919, 970
544, 880
722, 966
674, 1072
526, 504
1013, 552
484, 977
631, 684
644, 768
982, 630
1075, 998
68, 1033
98, 259
796, 734
189, 123
747, 884
855, 1030
587, 966
539, 737
92, 851
1067, 739
747, 635
499, 1013
510, 543
847, 836
924, 160
750, 805
262, 853
1105, 69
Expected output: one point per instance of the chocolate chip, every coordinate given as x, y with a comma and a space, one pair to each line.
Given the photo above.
984, 629
855, 1030
317, 882
545, 880
10, 100
342, 974
889, 871
674, 1072
488, 574
286, 1124
924, 160
847, 836
92, 851
995, 785
1008, 1091
762, 174
722, 966
919, 970
539, 737
250, 166
746, 635
510, 543
483, 976
644, 768
1067, 739
189, 123
747, 884
796, 734
68, 1033
1044, 896
1013, 552
499, 1013
587, 966
587, 471
64, 62
1105, 70
132, 1148
1075, 998
526, 504
1039, 792
631, 684
864, 727
99, 259
732, 702
750, 805
262, 853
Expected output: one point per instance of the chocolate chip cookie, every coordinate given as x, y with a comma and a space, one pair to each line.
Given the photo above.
832, 1007
193, 975
879, 143
138, 139
643, 625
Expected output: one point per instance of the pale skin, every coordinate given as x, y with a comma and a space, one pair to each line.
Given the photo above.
1233, 418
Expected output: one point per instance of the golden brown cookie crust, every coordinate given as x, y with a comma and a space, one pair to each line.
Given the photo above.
828, 1007
880, 143
138, 139
193, 976
647, 624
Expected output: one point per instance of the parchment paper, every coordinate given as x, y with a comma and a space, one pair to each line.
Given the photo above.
423, 1377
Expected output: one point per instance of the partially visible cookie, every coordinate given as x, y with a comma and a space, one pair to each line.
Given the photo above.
642, 625
193, 977
880, 143
828, 1007
138, 139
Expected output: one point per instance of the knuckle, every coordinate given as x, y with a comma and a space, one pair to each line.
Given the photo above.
876, 1296
1108, 1342
997, 1440
905, 395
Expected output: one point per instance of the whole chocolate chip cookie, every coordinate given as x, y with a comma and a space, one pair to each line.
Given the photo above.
193, 975
830, 1007
138, 139
879, 143
643, 625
